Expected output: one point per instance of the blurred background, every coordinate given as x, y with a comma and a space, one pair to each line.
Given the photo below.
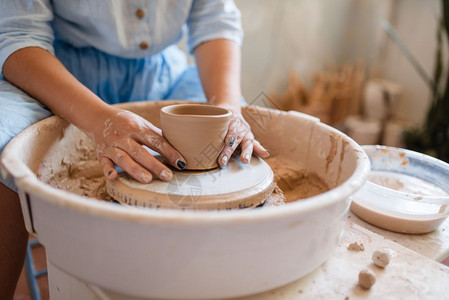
360, 66
334, 59
309, 36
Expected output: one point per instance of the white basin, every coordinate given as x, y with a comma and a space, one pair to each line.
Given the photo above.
176, 254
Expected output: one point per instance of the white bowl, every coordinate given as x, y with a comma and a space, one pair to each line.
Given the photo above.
183, 254
408, 192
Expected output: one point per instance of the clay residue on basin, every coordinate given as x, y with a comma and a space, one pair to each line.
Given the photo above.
74, 167
82, 175
84, 178
406, 184
296, 184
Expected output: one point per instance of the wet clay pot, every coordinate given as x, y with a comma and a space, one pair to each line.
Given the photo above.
197, 131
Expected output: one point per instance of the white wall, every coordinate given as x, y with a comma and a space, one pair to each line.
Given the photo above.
308, 35
416, 22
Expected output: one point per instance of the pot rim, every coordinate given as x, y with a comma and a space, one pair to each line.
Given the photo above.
225, 112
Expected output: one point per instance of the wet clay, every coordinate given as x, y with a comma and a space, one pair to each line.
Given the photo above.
87, 182
197, 131
356, 246
366, 279
296, 184
276, 198
78, 172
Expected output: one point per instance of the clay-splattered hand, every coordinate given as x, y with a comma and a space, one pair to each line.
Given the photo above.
120, 137
239, 134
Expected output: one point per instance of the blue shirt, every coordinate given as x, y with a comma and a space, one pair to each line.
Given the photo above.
123, 28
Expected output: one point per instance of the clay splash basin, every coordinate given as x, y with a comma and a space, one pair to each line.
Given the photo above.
166, 254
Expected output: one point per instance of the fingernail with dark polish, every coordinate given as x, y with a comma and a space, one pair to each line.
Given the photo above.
181, 164
231, 141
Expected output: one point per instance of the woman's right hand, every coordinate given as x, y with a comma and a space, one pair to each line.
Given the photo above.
119, 136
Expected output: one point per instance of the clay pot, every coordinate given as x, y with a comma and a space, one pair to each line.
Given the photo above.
197, 131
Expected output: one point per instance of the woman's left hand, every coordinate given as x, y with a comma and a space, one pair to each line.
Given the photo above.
240, 135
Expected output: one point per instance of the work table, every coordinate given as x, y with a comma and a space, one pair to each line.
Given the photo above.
434, 245
413, 273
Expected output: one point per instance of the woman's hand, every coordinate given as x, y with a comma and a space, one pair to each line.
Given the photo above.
239, 134
120, 136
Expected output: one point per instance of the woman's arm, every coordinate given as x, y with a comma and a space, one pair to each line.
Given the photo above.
218, 64
118, 134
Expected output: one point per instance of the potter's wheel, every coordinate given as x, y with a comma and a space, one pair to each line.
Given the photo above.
235, 186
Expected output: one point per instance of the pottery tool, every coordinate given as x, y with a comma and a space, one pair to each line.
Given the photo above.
235, 186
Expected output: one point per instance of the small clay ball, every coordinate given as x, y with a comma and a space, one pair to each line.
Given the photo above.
355, 246
381, 258
366, 279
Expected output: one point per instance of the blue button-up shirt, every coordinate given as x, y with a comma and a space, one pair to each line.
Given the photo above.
124, 28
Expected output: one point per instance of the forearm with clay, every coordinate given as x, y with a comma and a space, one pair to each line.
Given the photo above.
218, 64
118, 134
